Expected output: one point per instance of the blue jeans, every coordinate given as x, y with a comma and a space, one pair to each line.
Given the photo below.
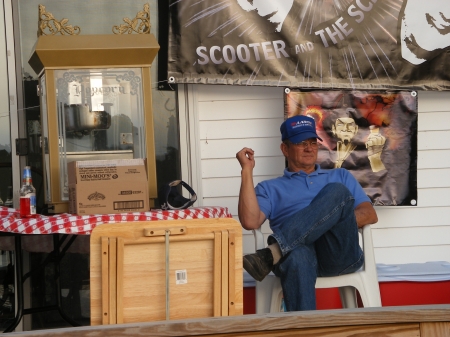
319, 240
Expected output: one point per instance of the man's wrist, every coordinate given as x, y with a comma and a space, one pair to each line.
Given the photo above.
246, 170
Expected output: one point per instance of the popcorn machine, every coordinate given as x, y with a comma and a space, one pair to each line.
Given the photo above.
95, 94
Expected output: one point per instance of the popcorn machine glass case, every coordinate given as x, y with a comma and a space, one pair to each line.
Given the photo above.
95, 104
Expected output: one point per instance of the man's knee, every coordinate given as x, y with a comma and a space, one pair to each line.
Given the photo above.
337, 187
335, 192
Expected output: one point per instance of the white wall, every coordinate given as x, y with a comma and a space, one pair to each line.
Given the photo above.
224, 119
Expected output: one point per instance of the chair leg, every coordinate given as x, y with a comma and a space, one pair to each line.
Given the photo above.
277, 296
264, 294
348, 297
373, 294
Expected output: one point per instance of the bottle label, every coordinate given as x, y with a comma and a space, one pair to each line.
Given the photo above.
33, 204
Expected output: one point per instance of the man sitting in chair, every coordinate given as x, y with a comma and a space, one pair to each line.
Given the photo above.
314, 215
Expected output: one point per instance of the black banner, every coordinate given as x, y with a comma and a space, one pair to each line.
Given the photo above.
328, 44
371, 134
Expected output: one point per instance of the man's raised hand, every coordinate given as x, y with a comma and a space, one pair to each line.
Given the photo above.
246, 158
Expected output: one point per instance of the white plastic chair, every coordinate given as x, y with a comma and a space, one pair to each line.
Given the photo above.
269, 293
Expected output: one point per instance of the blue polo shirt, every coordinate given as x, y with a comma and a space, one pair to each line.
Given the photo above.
281, 197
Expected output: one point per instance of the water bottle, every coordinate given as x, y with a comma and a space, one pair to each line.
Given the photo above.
27, 195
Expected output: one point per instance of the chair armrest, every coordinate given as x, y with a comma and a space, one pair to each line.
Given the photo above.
259, 239
369, 256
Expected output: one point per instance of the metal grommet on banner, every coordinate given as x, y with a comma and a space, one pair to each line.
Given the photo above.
171, 79
287, 90
413, 202
413, 93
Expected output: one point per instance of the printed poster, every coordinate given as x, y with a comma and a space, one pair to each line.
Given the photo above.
371, 134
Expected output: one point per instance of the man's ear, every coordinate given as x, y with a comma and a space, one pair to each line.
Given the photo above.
333, 130
284, 149
356, 129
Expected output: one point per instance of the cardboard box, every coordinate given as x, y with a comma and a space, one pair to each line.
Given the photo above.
108, 186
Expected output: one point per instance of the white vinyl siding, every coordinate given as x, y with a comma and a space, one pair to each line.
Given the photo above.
229, 118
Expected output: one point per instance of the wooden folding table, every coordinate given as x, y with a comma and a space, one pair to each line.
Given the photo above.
161, 270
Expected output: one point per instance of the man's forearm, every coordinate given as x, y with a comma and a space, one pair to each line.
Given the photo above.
249, 212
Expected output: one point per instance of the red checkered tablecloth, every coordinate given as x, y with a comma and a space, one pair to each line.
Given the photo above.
11, 222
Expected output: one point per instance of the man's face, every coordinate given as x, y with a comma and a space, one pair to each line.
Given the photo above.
425, 24
345, 129
300, 157
274, 11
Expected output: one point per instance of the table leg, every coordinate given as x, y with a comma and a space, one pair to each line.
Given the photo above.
20, 278
58, 256
19, 283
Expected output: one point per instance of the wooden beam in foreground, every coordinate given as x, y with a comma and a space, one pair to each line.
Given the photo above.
420, 321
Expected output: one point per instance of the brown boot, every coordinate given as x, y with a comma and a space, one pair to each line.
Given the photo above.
259, 264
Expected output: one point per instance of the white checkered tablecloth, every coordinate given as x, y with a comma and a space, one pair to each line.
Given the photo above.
11, 222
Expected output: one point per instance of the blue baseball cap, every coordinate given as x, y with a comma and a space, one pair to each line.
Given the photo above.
298, 128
